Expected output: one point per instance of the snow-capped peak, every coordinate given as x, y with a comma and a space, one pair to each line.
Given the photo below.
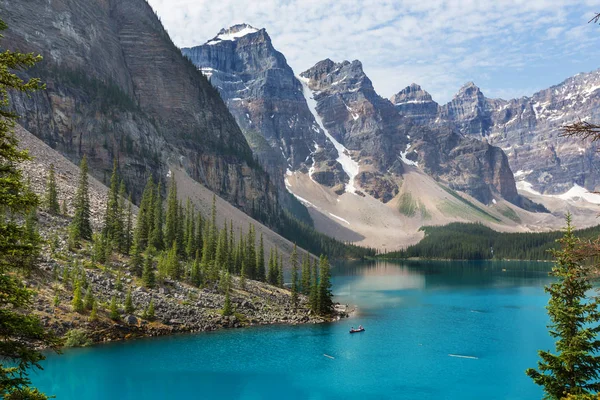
233, 33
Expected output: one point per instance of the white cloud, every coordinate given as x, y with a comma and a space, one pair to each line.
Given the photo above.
438, 44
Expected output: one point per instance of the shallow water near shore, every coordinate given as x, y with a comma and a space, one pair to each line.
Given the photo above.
434, 330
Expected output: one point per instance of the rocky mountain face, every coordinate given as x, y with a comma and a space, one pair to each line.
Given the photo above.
267, 101
117, 87
416, 104
528, 129
383, 141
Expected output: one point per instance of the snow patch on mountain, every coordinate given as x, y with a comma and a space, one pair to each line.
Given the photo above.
349, 166
232, 34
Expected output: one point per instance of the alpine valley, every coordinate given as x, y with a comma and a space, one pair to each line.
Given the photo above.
373, 171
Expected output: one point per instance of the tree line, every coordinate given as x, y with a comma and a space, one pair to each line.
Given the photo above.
475, 241
177, 242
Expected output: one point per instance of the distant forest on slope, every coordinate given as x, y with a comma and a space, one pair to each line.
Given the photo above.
474, 241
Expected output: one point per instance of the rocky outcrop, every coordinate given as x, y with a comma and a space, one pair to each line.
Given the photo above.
415, 103
266, 99
117, 87
385, 136
528, 129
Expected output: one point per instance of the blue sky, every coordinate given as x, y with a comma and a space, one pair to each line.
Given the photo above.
509, 48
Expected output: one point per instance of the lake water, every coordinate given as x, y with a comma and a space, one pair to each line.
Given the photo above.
434, 330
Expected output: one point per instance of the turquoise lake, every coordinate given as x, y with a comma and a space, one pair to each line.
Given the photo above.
434, 330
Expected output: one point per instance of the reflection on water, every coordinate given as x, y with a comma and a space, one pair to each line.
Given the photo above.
434, 330
371, 284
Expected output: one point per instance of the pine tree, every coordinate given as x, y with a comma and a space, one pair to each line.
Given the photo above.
128, 239
280, 272
129, 308
260, 261
227, 307
251, 252
221, 256
77, 301
324, 296
150, 311
180, 230
172, 212
51, 198
32, 239
243, 274
140, 236
94, 313
148, 276
88, 300
574, 320
80, 227
305, 279
156, 237
196, 275
173, 264
294, 262
114, 311
110, 231
314, 289
121, 222
190, 236
272, 272
199, 233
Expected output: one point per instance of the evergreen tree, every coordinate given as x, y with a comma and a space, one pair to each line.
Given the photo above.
129, 308
243, 274
180, 231
231, 250
221, 256
172, 212
148, 276
32, 240
206, 264
294, 262
77, 301
128, 239
51, 198
111, 232
251, 252
196, 275
140, 236
190, 236
121, 222
305, 279
227, 307
135, 263
313, 297
80, 227
574, 320
173, 264
88, 300
212, 232
280, 272
324, 295
156, 236
272, 272
94, 313
260, 261
199, 233
114, 311
149, 313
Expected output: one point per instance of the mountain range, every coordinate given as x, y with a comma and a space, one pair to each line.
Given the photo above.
321, 144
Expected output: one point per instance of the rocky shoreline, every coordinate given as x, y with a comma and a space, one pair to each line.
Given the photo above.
179, 307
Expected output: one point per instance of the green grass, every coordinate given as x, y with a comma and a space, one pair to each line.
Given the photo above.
407, 205
465, 209
510, 214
